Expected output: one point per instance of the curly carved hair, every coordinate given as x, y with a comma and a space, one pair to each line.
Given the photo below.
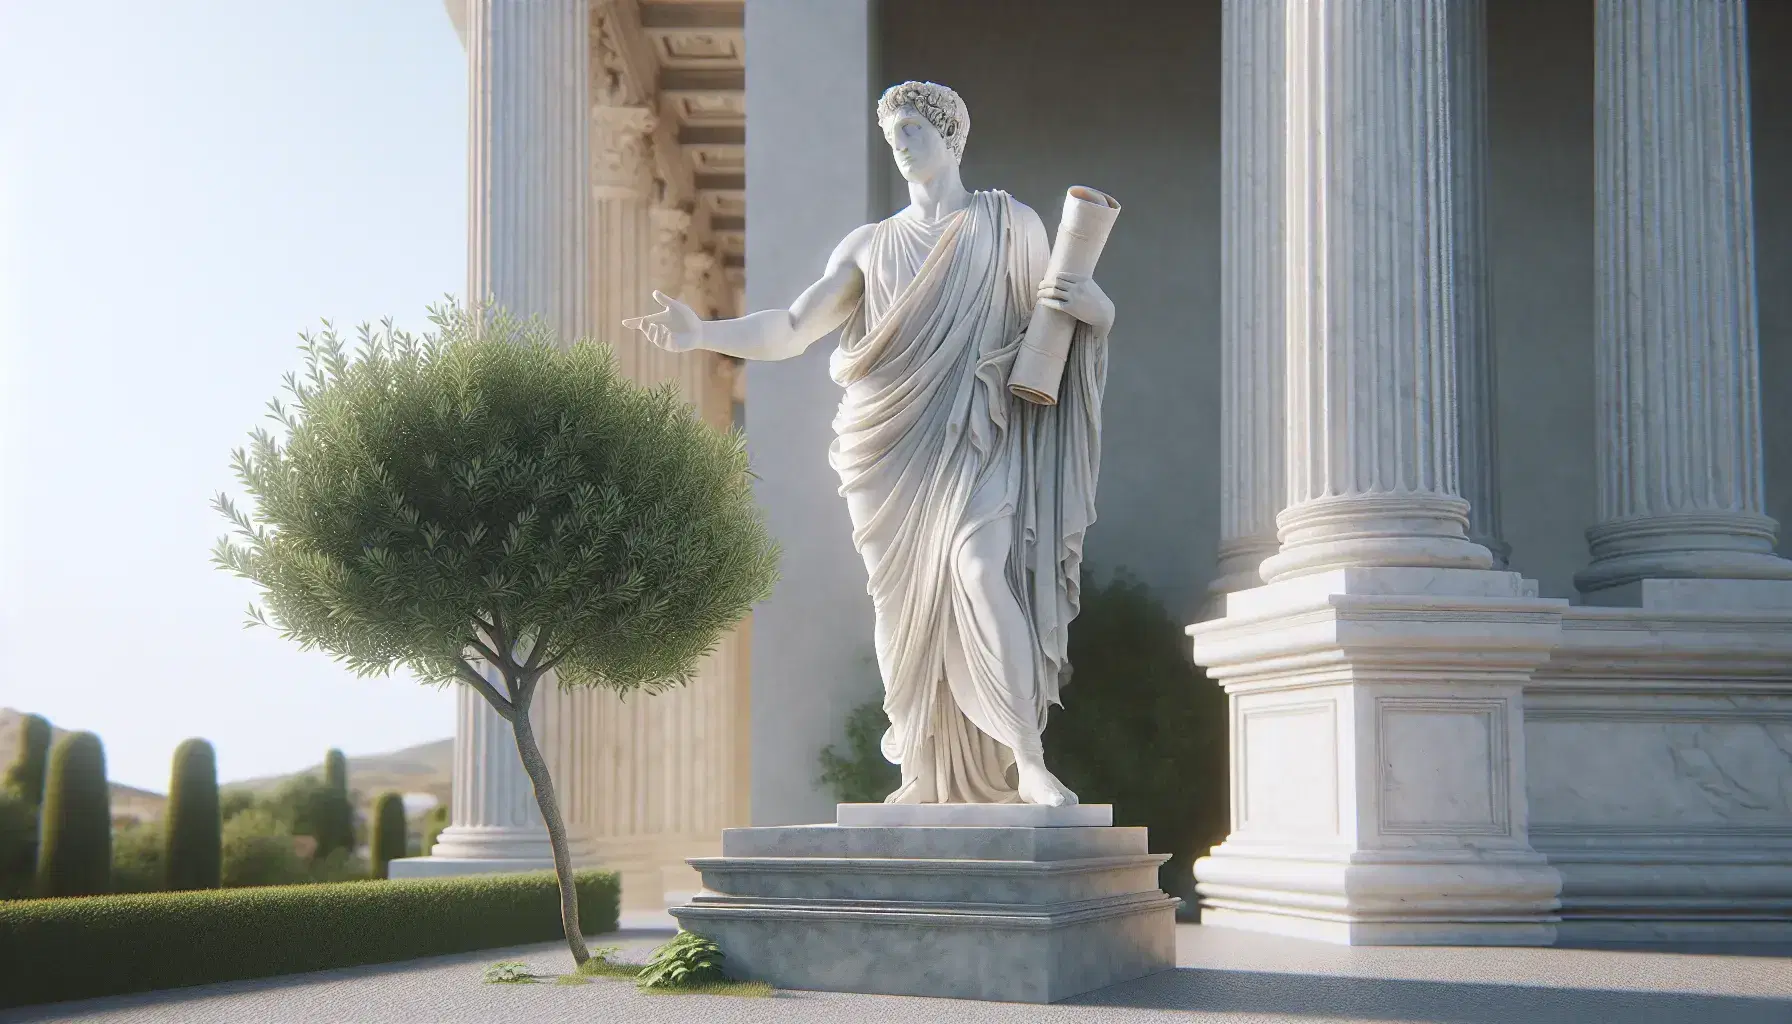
939, 105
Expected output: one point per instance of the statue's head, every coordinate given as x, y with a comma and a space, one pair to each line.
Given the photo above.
926, 125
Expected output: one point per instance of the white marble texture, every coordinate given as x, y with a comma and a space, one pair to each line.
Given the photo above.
1014, 914
1378, 769
1372, 431
528, 250
1659, 750
1676, 350
1253, 468
975, 815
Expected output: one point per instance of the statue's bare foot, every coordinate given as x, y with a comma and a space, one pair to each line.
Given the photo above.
1039, 786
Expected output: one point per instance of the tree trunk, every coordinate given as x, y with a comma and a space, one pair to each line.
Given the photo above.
550, 813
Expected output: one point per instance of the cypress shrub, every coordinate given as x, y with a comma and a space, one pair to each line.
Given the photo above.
192, 825
335, 827
52, 950
74, 853
25, 775
389, 831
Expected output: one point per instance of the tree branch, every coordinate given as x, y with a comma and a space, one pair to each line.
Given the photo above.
536, 648
486, 652
484, 686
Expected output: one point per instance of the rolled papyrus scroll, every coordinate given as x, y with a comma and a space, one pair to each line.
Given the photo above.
1039, 367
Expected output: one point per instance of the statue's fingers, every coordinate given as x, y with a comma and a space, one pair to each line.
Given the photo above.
632, 323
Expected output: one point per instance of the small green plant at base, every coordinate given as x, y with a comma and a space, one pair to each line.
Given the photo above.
689, 959
604, 965
748, 989
509, 972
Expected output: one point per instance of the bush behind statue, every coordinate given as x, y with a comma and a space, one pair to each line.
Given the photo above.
1142, 728
483, 496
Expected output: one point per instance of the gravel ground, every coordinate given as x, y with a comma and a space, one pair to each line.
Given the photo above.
1224, 976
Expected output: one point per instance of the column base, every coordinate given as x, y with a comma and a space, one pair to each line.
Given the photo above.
1374, 530
1715, 546
1378, 758
486, 850
1383, 898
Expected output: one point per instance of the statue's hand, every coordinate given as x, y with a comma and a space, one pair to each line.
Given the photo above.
675, 328
1079, 296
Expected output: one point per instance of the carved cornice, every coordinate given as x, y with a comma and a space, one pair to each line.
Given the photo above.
671, 236
699, 281
622, 165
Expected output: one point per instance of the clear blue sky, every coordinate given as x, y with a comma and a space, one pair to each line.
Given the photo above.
184, 186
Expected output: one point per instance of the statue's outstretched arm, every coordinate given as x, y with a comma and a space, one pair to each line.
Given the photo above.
770, 333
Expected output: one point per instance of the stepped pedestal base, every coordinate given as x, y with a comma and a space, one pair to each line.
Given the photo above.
1015, 913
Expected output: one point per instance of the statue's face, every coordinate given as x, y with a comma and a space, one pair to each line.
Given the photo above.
916, 144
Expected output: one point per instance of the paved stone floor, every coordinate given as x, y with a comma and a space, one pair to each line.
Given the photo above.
1223, 976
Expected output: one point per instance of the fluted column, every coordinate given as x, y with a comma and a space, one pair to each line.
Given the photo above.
1475, 363
1372, 428
1251, 293
527, 70
622, 233
1679, 427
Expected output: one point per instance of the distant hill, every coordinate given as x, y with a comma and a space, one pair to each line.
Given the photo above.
425, 768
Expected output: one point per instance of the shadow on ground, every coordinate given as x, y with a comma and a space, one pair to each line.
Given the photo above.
636, 940
1385, 999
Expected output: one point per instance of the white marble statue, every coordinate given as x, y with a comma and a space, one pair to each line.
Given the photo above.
968, 505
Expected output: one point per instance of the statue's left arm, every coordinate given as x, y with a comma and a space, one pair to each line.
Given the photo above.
1075, 294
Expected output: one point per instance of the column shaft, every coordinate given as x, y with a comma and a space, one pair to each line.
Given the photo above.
1371, 309
1252, 333
527, 70
1679, 427
1476, 422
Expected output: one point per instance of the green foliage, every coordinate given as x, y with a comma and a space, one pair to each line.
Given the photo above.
232, 802
509, 972
18, 845
26, 775
389, 832
434, 821
603, 964
484, 487
1142, 727
339, 866
74, 854
138, 857
191, 823
688, 960
173, 939
258, 850
862, 775
334, 827
308, 805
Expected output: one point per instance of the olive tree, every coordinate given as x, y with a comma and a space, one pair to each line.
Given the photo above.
488, 507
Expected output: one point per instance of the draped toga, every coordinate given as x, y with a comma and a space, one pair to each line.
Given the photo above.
933, 452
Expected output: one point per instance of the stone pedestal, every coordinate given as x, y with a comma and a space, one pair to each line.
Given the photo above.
1378, 759
969, 907
1659, 749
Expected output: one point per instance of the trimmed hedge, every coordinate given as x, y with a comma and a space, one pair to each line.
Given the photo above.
79, 948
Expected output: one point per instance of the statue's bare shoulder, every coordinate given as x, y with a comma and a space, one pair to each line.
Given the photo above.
853, 249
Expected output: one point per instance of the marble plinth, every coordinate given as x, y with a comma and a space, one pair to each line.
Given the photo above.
1378, 759
1659, 745
1030, 914
975, 815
